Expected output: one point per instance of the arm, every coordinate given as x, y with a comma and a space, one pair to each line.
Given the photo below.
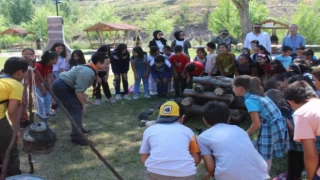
13, 108
311, 158
196, 157
209, 164
255, 123
173, 44
50, 79
268, 44
144, 157
134, 70
147, 71
233, 40
214, 64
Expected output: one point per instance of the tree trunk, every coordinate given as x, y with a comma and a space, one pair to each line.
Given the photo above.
209, 96
199, 88
243, 9
219, 81
187, 101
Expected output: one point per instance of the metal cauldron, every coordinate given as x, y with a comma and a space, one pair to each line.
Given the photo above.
25, 177
39, 138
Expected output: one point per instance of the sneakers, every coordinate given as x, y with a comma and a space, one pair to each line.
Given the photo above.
126, 97
112, 100
24, 124
118, 97
147, 96
97, 102
136, 96
79, 142
153, 93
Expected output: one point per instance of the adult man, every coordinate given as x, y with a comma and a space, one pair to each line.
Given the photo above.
70, 88
257, 34
293, 40
10, 98
225, 37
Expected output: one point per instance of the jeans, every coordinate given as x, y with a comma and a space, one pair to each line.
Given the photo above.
162, 87
44, 102
69, 99
105, 86
179, 85
145, 83
125, 84
6, 134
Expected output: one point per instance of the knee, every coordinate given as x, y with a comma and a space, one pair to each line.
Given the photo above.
125, 77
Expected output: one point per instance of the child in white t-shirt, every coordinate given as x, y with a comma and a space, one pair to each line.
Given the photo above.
227, 150
211, 67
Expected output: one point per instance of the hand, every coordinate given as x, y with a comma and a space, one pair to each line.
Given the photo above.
226, 70
84, 109
207, 176
43, 91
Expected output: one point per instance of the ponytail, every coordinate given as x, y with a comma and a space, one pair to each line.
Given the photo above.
250, 84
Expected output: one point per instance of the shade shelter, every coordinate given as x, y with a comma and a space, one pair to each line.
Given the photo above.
99, 28
17, 32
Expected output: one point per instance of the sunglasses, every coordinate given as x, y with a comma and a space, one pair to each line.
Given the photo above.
160, 34
257, 27
181, 34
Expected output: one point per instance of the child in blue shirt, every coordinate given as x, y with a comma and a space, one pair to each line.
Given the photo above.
285, 58
161, 72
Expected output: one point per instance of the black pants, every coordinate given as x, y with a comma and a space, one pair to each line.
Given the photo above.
179, 85
104, 84
295, 164
162, 87
6, 134
124, 83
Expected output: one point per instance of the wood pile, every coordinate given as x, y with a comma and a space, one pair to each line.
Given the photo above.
208, 89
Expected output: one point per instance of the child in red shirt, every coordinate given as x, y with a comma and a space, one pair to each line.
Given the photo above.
195, 68
264, 68
178, 62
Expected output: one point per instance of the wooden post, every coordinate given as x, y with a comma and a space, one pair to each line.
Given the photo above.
89, 39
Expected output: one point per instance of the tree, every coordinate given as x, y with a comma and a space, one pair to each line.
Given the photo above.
243, 9
3, 23
71, 10
17, 11
157, 20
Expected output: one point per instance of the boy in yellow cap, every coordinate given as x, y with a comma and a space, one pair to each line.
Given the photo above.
169, 149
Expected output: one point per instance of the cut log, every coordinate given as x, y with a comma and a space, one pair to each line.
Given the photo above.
209, 96
187, 101
199, 88
218, 91
219, 81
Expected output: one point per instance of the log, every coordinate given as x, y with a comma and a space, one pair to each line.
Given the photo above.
218, 91
219, 81
237, 116
188, 101
199, 88
209, 96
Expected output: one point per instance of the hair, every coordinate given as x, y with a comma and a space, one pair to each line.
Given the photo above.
47, 57
262, 48
223, 44
202, 50
279, 68
81, 60
14, 64
104, 49
211, 45
255, 41
119, 49
250, 84
245, 49
167, 48
271, 83
178, 48
190, 67
216, 112
64, 52
246, 56
316, 73
300, 48
299, 77
308, 52
98, 57
299, 92
139, 51
159, 59
27, 49
299, 66
277, 97
286, 49
154, 49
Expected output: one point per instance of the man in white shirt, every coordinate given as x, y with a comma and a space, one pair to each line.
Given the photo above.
227, 151
257, 34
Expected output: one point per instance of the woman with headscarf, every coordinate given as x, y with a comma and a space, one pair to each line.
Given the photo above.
158, 40
180, 40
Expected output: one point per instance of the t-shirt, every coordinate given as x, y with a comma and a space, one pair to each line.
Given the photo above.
179, 62
199, 68
10, 89
245, 69
235, 156
61, 64
160, 45
168, 146
285, 60
307, 122
44, 70
167, 57
226, 60
211, 60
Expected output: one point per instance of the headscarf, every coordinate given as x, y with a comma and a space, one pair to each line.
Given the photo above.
155, 33
177, 35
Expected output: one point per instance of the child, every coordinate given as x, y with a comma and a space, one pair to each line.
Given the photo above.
316, 77
60, 66
120, 60
140, 67
244, 51
28, 55
201, 56
192, 69
10, 97
259, 49
210, 67
178, 62
154, 51
45, 67
299, 53
161, 72
308, 56
277, 67
265, 115
225, 61
168, 149
77, 58
304, 101
103, 79
245, 66
285, 58
264, 68
253, 44
278, 81
167, 52
221, 159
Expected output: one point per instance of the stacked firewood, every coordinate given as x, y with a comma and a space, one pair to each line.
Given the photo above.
209, 89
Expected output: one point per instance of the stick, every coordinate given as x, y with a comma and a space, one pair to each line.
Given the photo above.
31, 117
77, 127
16, 128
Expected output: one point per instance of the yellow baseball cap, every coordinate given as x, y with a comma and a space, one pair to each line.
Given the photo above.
169, 112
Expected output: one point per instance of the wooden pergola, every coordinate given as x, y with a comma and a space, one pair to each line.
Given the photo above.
274, 26
99, 28
17, 32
